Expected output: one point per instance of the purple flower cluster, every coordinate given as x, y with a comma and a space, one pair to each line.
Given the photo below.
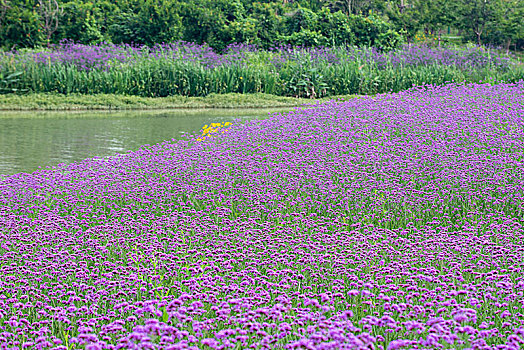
107, 56
203, 54
88, 57
470, 58
387, 222
283, 54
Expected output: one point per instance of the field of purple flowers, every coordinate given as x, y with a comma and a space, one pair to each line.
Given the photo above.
194, 70
388, 222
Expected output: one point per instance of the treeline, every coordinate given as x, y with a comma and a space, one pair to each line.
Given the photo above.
379, 23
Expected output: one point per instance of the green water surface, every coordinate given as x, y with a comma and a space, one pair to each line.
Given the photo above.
29, 140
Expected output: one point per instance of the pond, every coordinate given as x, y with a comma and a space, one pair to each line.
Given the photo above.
29, 140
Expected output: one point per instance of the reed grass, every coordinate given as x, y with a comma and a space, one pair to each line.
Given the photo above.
298, 73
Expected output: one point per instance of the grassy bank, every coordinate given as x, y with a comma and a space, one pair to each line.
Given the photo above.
59, 102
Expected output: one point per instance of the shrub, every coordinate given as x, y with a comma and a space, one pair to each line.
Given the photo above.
374, 31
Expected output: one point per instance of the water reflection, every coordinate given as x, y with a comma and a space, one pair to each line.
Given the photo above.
32, 140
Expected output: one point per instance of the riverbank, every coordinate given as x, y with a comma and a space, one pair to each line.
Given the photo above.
59, 102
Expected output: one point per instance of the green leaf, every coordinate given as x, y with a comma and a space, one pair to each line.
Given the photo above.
13, 75
165, 316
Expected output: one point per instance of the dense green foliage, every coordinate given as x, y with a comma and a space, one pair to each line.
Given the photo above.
380, 23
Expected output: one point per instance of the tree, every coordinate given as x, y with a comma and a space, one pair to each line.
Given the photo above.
4, 7
509, 21
335, 27
240, 31
373, 31
476, 15
268, 22
50, 12
148, 22
80, 23
21, 26
348, 6
313, 5
206, 21
435, 15
301, 19
405, 17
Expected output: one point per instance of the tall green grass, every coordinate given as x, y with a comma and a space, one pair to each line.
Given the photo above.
258, 73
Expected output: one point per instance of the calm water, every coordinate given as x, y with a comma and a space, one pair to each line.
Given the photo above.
32, 140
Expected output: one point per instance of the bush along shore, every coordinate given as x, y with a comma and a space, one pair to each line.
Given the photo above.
192, 70
387, 222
